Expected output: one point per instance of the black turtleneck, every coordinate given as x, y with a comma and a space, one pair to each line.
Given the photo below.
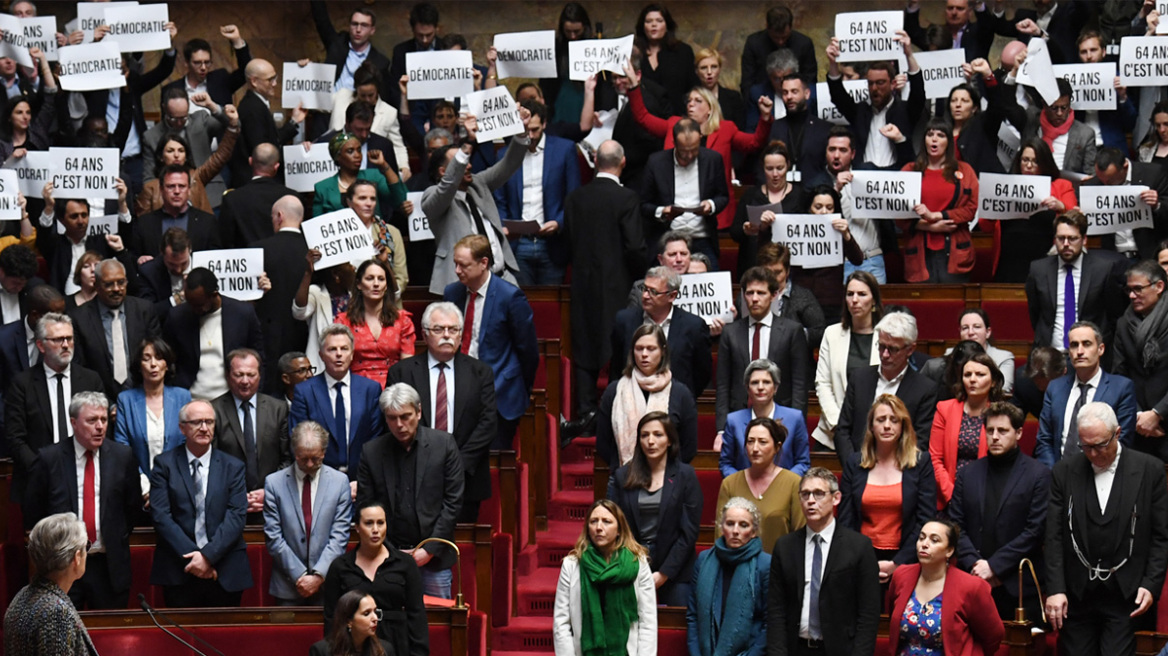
796, 121
997, 474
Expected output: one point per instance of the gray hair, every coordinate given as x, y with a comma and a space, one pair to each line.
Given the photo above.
54, 541
823, 474
87, 400
183, 414
437, 133
399, 396
609, 155
284, 364
443, 307
743, 503
671, 278
103, 264
48, 319
782, 60
1087, 324
762, 364
336, 329
309, 434
899, 325
1098, 412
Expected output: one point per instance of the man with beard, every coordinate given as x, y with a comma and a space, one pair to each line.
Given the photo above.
802, 131
872, 236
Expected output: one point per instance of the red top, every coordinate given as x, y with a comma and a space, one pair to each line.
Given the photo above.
372, 358
936, 193
880, 515
970, 625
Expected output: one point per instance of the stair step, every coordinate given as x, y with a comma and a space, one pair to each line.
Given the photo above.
570, 505
581, 449
537, 593
576, 475
524, 633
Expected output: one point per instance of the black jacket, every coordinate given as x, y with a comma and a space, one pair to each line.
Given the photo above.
678, 516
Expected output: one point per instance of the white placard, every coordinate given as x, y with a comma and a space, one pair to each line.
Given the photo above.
139, 28
1113, 208
813, 242
439, 74
310, 86
1143, 61
591, 56
14, 45
857, 89
1093, 85
302, 170
1011, 196
885, 194
340, 236
526, 54
41, 32
237, 270
32, 172
1038, 72
603, 132
90, 15
496, 112
1162, 9
98, 226
1009, 141
84, 172
869, 35
941, 71
708, 295
9, 200
91, 66
419, 224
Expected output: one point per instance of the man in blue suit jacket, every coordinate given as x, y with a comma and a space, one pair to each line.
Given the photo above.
316, 399
1056, 425
550, 165
199, 511
499, 329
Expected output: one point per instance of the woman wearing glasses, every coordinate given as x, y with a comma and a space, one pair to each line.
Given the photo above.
1141, 353
354, 629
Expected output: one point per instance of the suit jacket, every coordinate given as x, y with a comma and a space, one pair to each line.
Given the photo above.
221, 83
311, 401
148, 231
561, 176
918, 501
831, 378
690, 358
787, 349
58, 254
1094, 296
1062, 32
918, 392
1080, 153
336, 44
970, 625
154, 287
241, 329
200, 129
975, 41
141, 322
796, 452
284, 527
284, 263
849, 594
438, 488
130, 426
902, 113
1147, 239
507, 342
658, 191
246, 218
13, 351
273, 447
451, 221
1018, 521
638, 142
678, 516
1114, 390
811, 157
759, 46
172, 505
256, 126
130, 104
682, 412
474, 418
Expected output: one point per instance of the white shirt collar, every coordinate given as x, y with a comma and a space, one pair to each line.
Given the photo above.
610, 176
765, 321
332, 382
433, 362
826, 533
1093, 381
80, 451
1114, 463
895, 379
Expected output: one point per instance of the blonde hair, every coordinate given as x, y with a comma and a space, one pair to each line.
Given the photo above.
708, 53
624, 534
715, 121
906, 448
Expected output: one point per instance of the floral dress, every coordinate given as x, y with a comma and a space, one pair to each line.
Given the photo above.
920, 628
968, 441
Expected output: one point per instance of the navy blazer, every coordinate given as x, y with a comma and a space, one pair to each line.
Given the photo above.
154, 286
918, 489
130, 426
172, 505
796, 453
241, 328
130, 107
92, 350
311, 401
690, 357
561, 176
1116, 391
672, 552
682, 412
13, 352
1019, 519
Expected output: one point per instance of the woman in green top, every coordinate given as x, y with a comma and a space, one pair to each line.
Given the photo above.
345, 149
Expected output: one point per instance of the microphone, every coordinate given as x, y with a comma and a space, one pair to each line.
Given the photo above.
151, 611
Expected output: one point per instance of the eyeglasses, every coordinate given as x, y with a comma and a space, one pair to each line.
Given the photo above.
199, 423
653, 293
59, 341
819, 495
892, 350
1138, 289
1068, 239
310, 370
439, 331
1095, 448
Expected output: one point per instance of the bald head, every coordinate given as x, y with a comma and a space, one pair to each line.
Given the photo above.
610, 158
265, 160
261, 77
1010, 53
287, 212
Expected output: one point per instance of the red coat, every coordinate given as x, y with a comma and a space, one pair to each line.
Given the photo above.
943, 447
961, 209
970, 625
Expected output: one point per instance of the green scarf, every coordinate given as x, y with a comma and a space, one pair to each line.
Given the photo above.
605, 631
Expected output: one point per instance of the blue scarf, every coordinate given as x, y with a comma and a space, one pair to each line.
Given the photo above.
737, 620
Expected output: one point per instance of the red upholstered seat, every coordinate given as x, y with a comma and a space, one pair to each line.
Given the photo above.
502, 573
1029, 436
936, 319
671, 641
706, 431
1010, 319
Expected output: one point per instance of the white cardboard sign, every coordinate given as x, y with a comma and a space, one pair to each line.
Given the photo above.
869, 35
526, 54
84, 172
302, 170
813, 242
237, 269
139, 28
1093, 85
9, 200
708, 295
439, 74
496, 113
1110, 209
1143, 61
91, 66
1004, 196
340, 236
885, 194
310, 86
591, 56
1038, 72
98, 226
14, 45
41, 32
32, 172
941, 71
419, 224
858, 89
91, 15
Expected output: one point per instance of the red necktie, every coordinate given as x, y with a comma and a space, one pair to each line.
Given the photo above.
441, 421
88, 500
754, 342
468, 325
306, 506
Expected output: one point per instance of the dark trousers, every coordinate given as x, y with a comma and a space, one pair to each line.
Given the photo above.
95, 591
505, 438
1098, 623
469, 514
195, 592
585, 390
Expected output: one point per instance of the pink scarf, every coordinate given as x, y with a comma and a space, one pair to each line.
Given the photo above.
630, 405
1052, 132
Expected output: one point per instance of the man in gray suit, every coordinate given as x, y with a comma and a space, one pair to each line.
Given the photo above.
309, 500
460, 204
1074, 147
198, 128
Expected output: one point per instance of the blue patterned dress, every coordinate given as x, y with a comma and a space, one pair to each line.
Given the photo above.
920, 628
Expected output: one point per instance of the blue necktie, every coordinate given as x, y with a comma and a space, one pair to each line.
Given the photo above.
1068, 305
342, 433
813, 609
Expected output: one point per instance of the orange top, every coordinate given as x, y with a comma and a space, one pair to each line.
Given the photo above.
880, 515
372, 358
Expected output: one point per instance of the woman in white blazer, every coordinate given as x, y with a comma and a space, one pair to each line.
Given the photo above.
607, 563
846, 345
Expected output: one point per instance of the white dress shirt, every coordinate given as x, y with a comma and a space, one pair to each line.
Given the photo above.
155, 440
1104, 478
878, 150
347, 394
664, 324
1092, 387
79, 464
764, 335
433, 363
808, 553
533, 183
30, 344
1056, 333
211, 380
204, 474
885, 386
9, 306
686, 193
52, 385
75, 253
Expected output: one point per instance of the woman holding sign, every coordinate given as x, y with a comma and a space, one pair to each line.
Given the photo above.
21, 131
382, 334
824, 282
777, 194
345, 149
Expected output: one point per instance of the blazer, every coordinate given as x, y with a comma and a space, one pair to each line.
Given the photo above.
326, 194
256, 126
796, 453
200, 129
273, 446
795, 202
568, 614
130, 426
241, 329
507, 342
1114, 390
13, 351
976, 38
1081, 150
759, 46
284, 262
918, 501
918, 392
311, 401
438, 486
1018, 522
1147, 239
475, 415
638, 142
682, 412
849, 594
943, 446
284, 527
147, 237
831, 378
657, 190
903, 114
1064, 28
678, 516
561, 176
810, 159
92, 350
374, 141
801, 305
675, 72
787, 349
221, 83
154, 287
246, 218
1095, 295
970, 625
336, 45
690, 358
172, 505
58, 253
759, 585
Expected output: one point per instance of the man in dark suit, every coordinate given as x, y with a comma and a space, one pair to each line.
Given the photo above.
841, 602
109, 329
161, 280
176, 212
778, 34
637, 141
693, 208
803, 132
1106, 543
761, 334
18, 277
1058, 432
359, 123
90, 462
690, 359
245, 218
219, 83
975, 38
348, 49
1112, 168
197, 128
896, 336
36, 404
461, 402
284, 262
18, 349
416, 472
198, 499
61, 251
252, 427
1064, 22
1000, 503
424, 29
256, 124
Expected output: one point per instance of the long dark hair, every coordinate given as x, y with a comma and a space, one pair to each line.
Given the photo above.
950, 165
955, 364
638, 475
162, 351
642, 41
356, 309
159, 157
10, 107
999, 381
1153, 137
873, 286
340, 640
1046, 165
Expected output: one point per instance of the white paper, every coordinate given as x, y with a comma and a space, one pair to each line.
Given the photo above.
708, 295
1162, 9
14, 45
526, 54
496, 112
1038, 72
1113, 208
813, 242
32, 172
91, 66
858, 89
90, 15
602, 132
98, 225
84, 172
869, 35
41, 32
1003, 196
1093, 85
139, 28
419, 224
9, 199
589, 57
885, 194
439, 74
941, 71
237, 270
1143, 61
310, 86
1009, 141
340, 236
302, 170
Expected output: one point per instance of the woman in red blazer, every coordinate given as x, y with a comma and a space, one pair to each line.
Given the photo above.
958, 435
936, 609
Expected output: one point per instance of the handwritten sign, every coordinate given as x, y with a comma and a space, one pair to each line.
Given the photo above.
1038, 72
497, 113
1011, 196
708, 295
340, 237
14, 45
99, 226
869, 35
91, 15
41, 32
1093, 85
237, 269
941, 71
439, 74
84, 172
526, 54
310, 86
813, 242
1111, 209
591, 56
32, 172
9, 200
302, 170
857, 89
419, 224
1143, 61
885, 194
91, 66
139, 28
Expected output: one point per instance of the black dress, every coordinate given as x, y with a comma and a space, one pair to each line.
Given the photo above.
397, 589
675, 72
